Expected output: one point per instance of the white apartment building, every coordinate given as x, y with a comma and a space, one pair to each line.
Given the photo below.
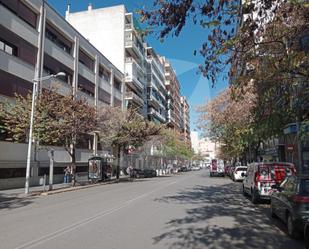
36, 41
156, 90
195, 141
208, 149
114, 32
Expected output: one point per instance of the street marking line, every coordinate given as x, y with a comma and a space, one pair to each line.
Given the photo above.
86, 221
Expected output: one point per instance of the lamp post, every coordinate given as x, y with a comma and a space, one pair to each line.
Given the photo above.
34, 97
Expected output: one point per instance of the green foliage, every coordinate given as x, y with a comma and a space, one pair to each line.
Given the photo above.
124, 128
58, 120
173, 147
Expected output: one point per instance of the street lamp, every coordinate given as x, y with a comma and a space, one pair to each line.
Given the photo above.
34, 96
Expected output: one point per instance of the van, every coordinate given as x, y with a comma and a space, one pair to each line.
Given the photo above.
216, 168
261, 176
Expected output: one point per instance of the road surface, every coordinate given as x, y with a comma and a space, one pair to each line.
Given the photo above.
189, 211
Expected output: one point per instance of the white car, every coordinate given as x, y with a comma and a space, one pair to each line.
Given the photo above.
239, 173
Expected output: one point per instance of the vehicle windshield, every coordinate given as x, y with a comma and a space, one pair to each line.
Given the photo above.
241, 169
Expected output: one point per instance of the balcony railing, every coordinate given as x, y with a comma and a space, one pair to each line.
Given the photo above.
128, 26
133, 96
152, 111
130, 41
131, 60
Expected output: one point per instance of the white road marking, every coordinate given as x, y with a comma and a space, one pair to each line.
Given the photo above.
76, 225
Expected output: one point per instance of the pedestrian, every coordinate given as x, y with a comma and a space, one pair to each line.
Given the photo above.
130, 171
67, 172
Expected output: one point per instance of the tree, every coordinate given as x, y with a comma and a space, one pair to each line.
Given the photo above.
120, 129
230, 121
233, 28
173, 147
59, 120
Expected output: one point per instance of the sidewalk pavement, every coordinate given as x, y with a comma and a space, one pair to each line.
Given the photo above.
57, 188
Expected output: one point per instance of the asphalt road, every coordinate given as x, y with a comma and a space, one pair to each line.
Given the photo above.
189, 211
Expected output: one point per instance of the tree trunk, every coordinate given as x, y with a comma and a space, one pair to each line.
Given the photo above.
73, 165
118, 164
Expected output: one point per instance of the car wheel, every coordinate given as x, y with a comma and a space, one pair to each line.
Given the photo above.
254, 198
292, 231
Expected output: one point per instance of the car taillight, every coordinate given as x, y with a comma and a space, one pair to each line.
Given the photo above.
257, 178
300, 199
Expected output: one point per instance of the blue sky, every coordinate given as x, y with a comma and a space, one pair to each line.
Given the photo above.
179, 50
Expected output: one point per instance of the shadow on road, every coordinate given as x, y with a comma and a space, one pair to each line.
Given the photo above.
13, 202
220, 217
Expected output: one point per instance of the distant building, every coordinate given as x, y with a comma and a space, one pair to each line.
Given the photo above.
173, 106
185, 121
208, 149
195, 141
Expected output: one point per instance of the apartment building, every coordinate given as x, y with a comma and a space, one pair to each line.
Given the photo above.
36, 41
185, 121
173, 107
113, 30
156, 90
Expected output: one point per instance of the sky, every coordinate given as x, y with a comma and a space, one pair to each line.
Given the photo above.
179, 50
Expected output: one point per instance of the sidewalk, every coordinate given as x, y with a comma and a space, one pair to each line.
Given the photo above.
57, 188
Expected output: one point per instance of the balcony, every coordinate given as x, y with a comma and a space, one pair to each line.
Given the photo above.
57, 84
132, 77
152, 101
132, 46
134, 62
158, 65
57, 53
128, 26
16, 66
131, 96
18, 26
88, 98
156, 114
86, 72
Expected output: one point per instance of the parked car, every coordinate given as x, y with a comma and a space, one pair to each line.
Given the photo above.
230, 171
137, 173
149, 173
261, 176
183, 169
239, 173
306, 234
195, 168
216, 168
290, 202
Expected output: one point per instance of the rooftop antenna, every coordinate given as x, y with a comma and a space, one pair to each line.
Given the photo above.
89, 7
67, 12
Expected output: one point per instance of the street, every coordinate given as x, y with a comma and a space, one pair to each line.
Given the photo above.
190, 210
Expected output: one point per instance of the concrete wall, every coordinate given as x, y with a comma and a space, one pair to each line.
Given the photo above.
18, 152
104, 28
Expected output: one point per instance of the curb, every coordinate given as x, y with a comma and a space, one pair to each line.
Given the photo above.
70, 189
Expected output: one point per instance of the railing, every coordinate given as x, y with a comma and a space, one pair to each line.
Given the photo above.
128, 26
131, 42
156, 113
131, 60
133, 96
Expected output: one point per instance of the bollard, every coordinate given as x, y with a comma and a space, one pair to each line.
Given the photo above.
44, 182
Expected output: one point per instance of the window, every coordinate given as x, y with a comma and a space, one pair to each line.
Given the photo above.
117, 84
86, 60
21, 10
58, 39
104, 74
8, 48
